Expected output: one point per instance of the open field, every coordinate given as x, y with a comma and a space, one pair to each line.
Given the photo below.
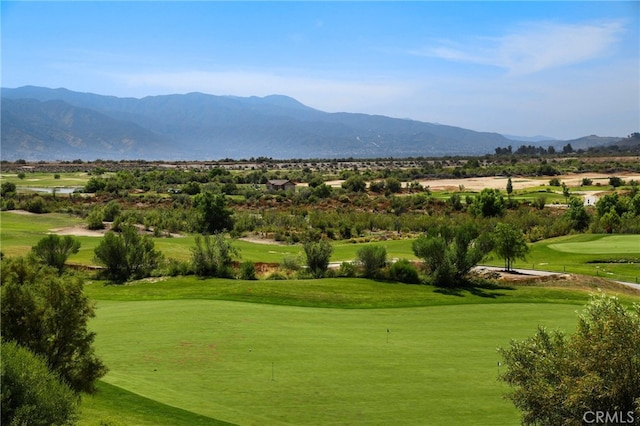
185, 344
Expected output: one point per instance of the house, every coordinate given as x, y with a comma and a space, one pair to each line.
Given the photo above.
281, 185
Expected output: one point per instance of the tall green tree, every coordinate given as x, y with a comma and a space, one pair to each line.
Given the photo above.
54, 250
213, 214
49, 316
578, 214
558, 379
127, 256
510, 244
318, 254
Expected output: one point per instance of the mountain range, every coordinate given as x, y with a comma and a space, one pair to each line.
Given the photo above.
59, 124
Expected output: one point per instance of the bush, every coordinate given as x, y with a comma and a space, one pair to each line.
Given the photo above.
372, 259
36, 205
31, 393
213, 256
347, 269
404, 272
110, 211
127, 256
556, 378
247, 271
318, 255
54, 250
49, 316
94, 219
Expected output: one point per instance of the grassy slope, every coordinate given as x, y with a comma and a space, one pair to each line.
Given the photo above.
179, 342
573, 254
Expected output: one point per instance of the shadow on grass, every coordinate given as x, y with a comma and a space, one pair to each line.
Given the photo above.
477, 287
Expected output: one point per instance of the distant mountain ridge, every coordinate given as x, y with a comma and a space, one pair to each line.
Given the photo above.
60, 124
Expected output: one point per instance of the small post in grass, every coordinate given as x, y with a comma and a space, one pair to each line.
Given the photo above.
388, 331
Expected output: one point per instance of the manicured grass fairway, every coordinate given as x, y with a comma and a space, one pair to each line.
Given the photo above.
578, 254
263, 364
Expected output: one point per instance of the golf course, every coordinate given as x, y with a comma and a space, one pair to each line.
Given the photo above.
179, 344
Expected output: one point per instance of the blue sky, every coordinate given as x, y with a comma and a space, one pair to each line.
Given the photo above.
562, 69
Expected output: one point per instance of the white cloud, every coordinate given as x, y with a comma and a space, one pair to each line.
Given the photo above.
534, 47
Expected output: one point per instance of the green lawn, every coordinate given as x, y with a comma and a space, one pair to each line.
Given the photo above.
46, 180
188, 347
609, 256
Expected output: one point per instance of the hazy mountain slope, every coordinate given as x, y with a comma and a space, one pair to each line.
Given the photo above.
200, 126
59, 131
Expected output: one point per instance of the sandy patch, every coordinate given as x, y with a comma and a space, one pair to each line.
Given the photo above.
500, 182
79, 231
256, 240
22, 212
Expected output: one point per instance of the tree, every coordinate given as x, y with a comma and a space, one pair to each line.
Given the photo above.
372, 258
559, 380
127, 256
509, 186
451, 253
54, 251
403, 271
318, 254
393, 185
355, 183
31, 393
578, 214
214, 216
616, 181
510, 244
213, 256
566, 192
488, 203
7, 189
111, 211
49, 316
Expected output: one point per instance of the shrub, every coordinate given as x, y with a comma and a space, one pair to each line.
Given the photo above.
372, 258
36, 205
127, 256
49, 316
347, 269
94, 219
404, 272
54, 250
247, 271
318, 255
557, 378
110, 211
213, 256
31, 393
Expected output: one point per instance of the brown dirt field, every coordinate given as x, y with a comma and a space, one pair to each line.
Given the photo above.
500, 182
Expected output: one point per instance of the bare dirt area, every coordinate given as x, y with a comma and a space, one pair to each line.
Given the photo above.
259, 240
79, 231
22, 212
500, 182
